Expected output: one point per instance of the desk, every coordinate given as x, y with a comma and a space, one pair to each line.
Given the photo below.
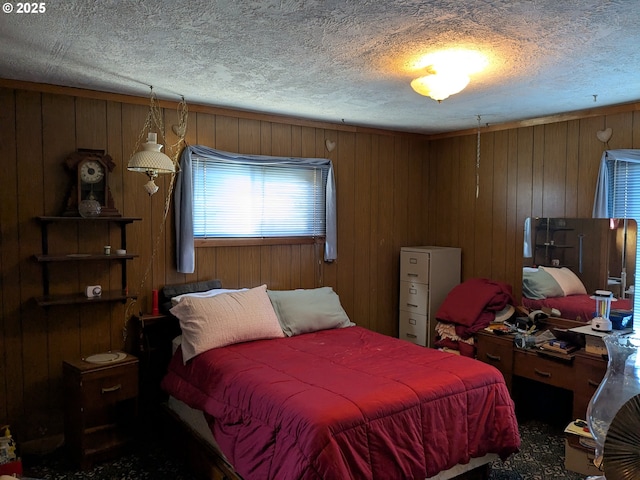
581, 376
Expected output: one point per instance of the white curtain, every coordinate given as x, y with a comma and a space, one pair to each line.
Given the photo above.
183, 197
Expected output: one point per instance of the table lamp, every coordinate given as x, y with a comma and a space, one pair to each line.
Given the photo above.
601, 322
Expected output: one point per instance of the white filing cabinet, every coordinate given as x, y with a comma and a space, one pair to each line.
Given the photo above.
427, 275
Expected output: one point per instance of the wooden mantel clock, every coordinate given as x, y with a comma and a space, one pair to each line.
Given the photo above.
90, 170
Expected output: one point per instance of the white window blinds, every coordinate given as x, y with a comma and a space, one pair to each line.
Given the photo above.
246, 200
624, 189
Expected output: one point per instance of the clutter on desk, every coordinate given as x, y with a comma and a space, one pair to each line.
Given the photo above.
559, 346
594, 342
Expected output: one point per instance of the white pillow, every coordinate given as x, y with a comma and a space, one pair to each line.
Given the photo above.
209, 293
568, 281
221, 320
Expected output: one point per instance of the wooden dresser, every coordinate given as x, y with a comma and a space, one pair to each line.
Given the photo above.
581, 375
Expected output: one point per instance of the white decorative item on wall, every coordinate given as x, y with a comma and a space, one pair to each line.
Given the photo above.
604, 135
331, 145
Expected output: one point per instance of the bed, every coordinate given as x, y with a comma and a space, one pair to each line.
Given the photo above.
321, 398
559, 288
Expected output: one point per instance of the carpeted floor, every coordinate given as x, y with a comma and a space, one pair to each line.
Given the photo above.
541, 457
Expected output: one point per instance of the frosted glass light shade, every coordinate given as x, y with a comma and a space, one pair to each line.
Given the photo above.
151, 159
440, 85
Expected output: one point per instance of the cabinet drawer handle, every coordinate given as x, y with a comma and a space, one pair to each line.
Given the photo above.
495, 358
541, 373
593, 383
412, 305
115, 388
412, 274
411, 335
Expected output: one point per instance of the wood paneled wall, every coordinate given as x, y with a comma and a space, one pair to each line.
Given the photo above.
393, 189
544, 170
380, 178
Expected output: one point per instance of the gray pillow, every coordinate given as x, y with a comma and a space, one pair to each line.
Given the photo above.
304, 311
538, 284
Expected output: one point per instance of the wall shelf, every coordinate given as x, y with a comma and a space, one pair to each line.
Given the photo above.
75, 298
552, 244
45, 259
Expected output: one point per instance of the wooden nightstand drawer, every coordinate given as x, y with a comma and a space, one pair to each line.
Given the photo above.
110, 386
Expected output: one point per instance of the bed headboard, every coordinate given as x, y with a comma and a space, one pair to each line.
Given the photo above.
156, 334
170, 291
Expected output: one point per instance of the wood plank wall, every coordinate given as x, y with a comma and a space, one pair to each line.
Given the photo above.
379, 177
542, 170
394, 189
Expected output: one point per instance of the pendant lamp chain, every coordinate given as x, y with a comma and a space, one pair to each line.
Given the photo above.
478, 160
154, 119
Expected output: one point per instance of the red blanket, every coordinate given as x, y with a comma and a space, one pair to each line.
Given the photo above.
574, 306
346, 403
473, 304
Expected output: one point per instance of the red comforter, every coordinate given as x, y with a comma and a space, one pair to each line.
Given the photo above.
574, 306
346, 403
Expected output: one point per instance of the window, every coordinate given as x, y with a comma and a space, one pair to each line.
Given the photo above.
249, 200
221, 194
618, 196
624, 188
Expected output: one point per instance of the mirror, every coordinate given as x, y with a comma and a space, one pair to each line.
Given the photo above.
581, 255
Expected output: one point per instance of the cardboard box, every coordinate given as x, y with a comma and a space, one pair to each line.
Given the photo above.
578, 458
594, 344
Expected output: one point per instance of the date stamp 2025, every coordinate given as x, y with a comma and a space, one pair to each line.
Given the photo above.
24, 7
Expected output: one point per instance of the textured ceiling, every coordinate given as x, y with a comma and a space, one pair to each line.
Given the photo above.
337, 61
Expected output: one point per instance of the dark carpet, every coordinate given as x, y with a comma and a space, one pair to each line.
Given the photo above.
541, 457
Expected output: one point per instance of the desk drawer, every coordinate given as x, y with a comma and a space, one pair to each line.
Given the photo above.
589, 373
536, 367
496, 351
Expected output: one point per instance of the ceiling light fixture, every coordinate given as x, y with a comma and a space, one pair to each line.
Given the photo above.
152, 161
447, 72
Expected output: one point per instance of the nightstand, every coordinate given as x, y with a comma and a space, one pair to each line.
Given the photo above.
154, 334
101, 407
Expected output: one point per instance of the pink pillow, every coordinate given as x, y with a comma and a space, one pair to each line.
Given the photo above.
225, 319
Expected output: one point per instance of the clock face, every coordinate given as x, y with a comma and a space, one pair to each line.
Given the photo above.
91, 171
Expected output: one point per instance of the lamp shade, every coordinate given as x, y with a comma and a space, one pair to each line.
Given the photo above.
151, 159
440, 85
